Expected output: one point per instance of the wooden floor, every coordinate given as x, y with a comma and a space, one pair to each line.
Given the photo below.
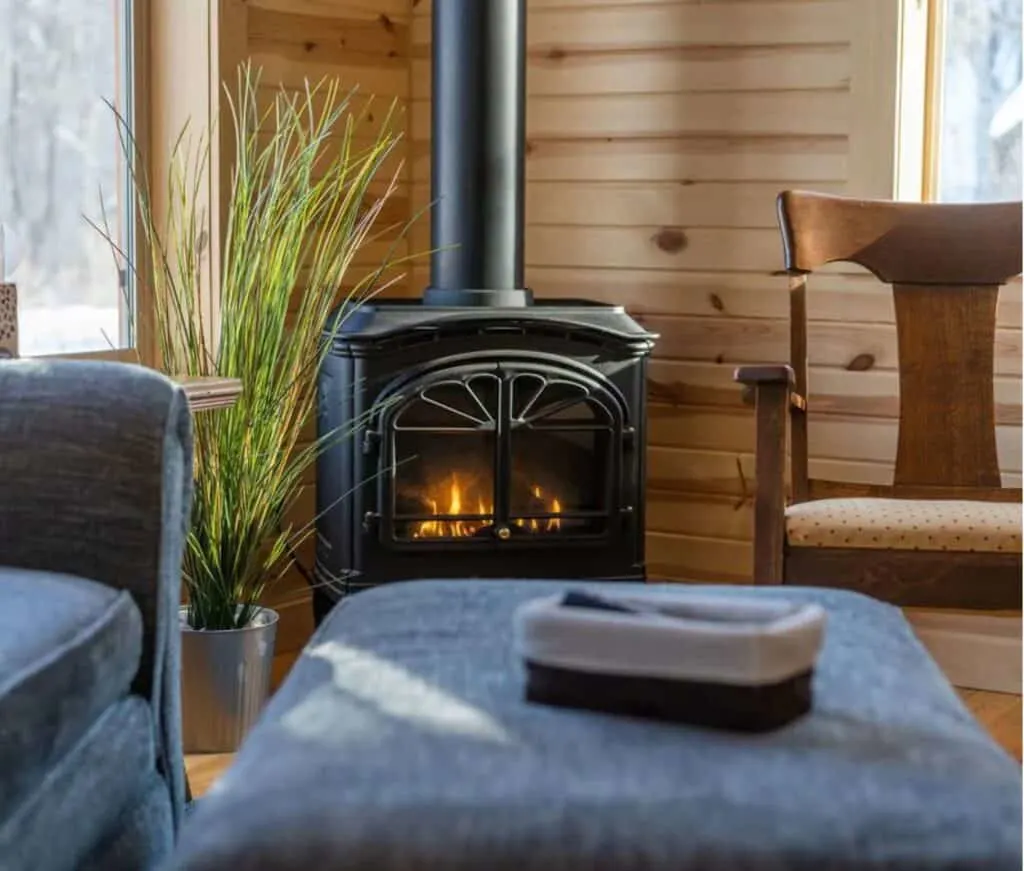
204, 769
1000, 713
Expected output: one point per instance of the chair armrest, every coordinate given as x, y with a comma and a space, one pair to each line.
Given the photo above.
772, 387
774, 374
96, 481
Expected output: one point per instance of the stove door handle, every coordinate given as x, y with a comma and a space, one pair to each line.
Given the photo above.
371, 441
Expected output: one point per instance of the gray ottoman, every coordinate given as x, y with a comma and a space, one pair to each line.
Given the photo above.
401, 741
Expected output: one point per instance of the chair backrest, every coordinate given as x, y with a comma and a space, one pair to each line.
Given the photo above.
945, 263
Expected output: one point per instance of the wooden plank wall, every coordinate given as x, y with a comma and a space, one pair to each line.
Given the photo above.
364, 43
658, 135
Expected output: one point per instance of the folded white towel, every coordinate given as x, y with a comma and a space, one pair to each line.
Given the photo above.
675, 636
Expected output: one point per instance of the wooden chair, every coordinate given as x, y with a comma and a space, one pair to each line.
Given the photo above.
944, 534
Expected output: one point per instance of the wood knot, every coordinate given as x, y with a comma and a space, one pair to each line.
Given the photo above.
686, 182
529, 147
861, 363
309, 46
671, 240
660, 392
556, 53
716, 302
386, 23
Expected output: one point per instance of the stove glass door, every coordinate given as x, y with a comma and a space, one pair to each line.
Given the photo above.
444, 450
560, 450
504, 453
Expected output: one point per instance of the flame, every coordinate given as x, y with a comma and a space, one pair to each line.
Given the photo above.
555, 523
552, 524
453, 496
446, 500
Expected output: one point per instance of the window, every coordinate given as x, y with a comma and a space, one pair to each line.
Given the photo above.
61, 166
973, 148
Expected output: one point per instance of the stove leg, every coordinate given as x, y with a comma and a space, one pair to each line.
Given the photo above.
322, 606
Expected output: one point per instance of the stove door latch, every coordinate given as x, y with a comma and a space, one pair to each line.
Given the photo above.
371, 438
370, 519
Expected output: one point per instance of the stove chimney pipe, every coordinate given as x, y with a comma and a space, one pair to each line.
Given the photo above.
477, 147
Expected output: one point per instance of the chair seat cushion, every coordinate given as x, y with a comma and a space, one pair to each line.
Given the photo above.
402, 740
87, 796
905, 524
69, 648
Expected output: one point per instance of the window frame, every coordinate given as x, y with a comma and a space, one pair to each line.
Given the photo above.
914, 106
136, 82
919, 102
931, 111
183, 50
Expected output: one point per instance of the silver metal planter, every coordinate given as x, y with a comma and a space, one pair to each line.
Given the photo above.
225, 680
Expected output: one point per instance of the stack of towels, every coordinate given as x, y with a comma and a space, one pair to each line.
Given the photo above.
722, 662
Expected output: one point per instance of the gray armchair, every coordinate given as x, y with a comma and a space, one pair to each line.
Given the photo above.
95, 488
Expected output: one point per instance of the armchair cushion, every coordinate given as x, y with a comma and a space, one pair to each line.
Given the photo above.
905, 524
69, 648
87, 794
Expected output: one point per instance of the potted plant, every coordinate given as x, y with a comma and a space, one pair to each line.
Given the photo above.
305, 196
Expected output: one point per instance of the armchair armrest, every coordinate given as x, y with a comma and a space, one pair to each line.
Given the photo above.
774, 374
772, 387
96, 481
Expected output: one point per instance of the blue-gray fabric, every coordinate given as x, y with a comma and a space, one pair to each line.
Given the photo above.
141, 837
69, 649
81, 797
401, 742
95, 490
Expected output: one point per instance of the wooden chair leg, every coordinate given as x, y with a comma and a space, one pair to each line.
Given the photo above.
770, 481
772, 387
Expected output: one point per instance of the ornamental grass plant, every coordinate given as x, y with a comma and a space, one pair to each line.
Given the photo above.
309, 183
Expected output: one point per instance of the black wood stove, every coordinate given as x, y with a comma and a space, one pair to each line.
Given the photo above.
499, 436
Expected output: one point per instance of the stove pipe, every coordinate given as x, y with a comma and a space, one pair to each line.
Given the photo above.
477, 147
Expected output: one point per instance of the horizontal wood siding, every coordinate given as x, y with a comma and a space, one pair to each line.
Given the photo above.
658, 136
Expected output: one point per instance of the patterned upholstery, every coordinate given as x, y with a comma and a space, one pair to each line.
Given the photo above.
903, 524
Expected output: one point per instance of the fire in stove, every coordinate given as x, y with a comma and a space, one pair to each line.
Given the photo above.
449, 500
461, 509
541, 505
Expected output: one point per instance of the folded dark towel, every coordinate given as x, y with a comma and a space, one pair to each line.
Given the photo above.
727, 663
